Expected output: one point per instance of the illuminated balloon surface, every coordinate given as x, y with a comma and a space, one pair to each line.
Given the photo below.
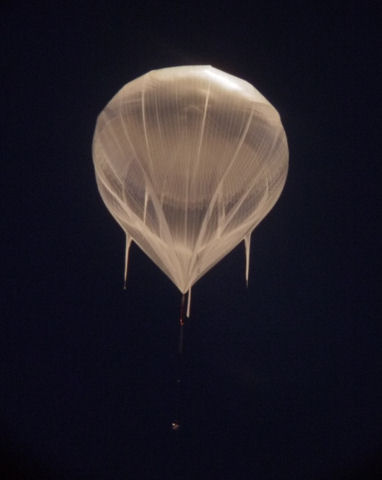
189, 160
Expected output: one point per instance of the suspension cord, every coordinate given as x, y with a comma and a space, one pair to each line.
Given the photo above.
175, 424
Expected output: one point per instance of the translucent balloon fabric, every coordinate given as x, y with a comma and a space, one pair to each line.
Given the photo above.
189, 160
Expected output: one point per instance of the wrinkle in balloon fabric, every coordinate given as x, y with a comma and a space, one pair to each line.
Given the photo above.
189, 160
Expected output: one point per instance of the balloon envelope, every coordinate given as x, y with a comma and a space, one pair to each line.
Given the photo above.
189, 160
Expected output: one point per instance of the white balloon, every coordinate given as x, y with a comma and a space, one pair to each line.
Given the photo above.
189, 160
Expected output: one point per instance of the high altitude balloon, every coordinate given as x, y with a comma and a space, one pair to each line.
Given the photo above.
189, 160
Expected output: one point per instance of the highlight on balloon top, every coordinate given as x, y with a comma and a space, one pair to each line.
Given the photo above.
189, 160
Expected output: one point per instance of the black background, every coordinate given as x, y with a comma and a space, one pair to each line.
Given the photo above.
283, 379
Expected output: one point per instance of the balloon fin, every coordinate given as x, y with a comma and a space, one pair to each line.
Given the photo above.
188, 303
247, 244
127, 248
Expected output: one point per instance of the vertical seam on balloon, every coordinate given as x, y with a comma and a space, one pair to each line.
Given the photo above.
144, 122
190, 177
213, 199
145, 207
148, 183
161, 143
158, 210
202, 129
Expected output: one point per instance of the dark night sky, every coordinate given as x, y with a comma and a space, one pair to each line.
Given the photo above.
283, 380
